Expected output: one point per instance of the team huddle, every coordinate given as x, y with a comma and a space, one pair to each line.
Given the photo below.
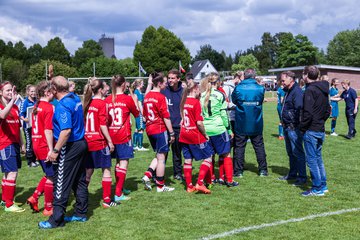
70, 138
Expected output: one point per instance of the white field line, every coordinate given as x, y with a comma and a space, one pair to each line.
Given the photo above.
281, 222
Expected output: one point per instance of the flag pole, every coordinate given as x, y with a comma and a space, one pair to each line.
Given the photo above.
139, 69
46, 71
94, 69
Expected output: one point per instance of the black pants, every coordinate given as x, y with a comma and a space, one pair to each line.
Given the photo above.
239, 156
70, 175
350, 118
176, 153
30, 155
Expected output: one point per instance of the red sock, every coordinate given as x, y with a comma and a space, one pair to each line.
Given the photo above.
228, 166
160, 181
106, 185
40, 188
188, 174
221, 168
48, 195
121, 174
10, 192
204, 171
4, 190
209, 174
149, 173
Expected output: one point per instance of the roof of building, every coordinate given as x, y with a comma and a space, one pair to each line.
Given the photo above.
320, 66
197, 66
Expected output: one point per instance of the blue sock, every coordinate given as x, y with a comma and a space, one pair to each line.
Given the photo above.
281, 131
135, 139
333, 125
140, 139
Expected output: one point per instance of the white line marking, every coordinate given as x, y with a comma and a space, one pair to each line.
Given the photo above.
281, 222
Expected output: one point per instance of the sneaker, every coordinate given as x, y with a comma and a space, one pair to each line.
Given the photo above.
34, 164
299, 183
74, 218
33, 203
179, 178
281, 137
47, 213
146, 182
348, 136
191, 189
142, 149
202, 188
45, 225
313, 192
334, 134
232, 184
165, 189
239, 175
263, 173
325, 189
126, 191
14, 208
286, 178
220, 181
135, 148
118, 199
109, 204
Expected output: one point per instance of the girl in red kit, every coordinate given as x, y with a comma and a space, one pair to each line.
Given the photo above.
10, 142
97, 136
120, 106
42, 140
194, 138
158, 122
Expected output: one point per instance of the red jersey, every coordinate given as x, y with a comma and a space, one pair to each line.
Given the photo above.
10, 127
189, 132
40, 122
96, 117
119, 117
155, 109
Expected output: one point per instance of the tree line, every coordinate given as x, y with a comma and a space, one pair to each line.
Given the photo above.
159, 49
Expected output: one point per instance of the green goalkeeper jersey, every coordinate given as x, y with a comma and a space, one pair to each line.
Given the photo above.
216, 120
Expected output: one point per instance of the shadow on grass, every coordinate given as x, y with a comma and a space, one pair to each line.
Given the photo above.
279, 170
275, 135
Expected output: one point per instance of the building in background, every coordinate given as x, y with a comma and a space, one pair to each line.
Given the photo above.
201, 68
108, 46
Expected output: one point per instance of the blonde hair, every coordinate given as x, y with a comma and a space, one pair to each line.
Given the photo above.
206, 85
347, 82
324, 78
136, 84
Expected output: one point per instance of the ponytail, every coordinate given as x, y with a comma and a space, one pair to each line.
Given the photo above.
92, 87
116, 81
41, 88
207, 84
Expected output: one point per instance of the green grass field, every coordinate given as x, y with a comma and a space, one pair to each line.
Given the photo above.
180, 215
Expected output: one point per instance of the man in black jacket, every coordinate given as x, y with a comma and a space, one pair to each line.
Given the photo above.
316, 109
290, 115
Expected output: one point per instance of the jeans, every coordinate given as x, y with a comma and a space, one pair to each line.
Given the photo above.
295, 151
239, 156
313, 142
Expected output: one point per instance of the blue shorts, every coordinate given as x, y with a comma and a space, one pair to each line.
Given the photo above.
10, 159
197, 151
221, 143
123, 151
99, 159
140, 125
48, 168
159, 142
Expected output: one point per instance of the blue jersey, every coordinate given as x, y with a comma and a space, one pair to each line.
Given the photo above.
23, 110
349, 97
173, 99
140, 96
69, 115
333, 91
280, 95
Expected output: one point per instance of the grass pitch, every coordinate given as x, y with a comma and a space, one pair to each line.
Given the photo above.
180, 215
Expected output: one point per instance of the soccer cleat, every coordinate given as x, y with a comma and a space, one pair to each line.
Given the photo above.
191, 189
121, 198
142, 149
45, 225
202, 188
232, 184
74, 218
47, 213
33, 203
325, 189
146, 182
109, 204
126, 191
14, 208
334, 134
263, 173
220, 181
313, 192
164, 189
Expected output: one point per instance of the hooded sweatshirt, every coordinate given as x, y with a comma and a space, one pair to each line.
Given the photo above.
316, 107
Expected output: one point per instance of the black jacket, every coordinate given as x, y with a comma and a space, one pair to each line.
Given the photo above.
316, 107
292, 106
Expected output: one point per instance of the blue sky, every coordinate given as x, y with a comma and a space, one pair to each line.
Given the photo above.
226, 25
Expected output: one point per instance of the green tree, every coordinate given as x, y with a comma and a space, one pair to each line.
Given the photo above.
34, 54
90, 49
207, 52
107, 67
160, 50
19, 51
55, 50
247, 61
37, 71
13, 70
344, 48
